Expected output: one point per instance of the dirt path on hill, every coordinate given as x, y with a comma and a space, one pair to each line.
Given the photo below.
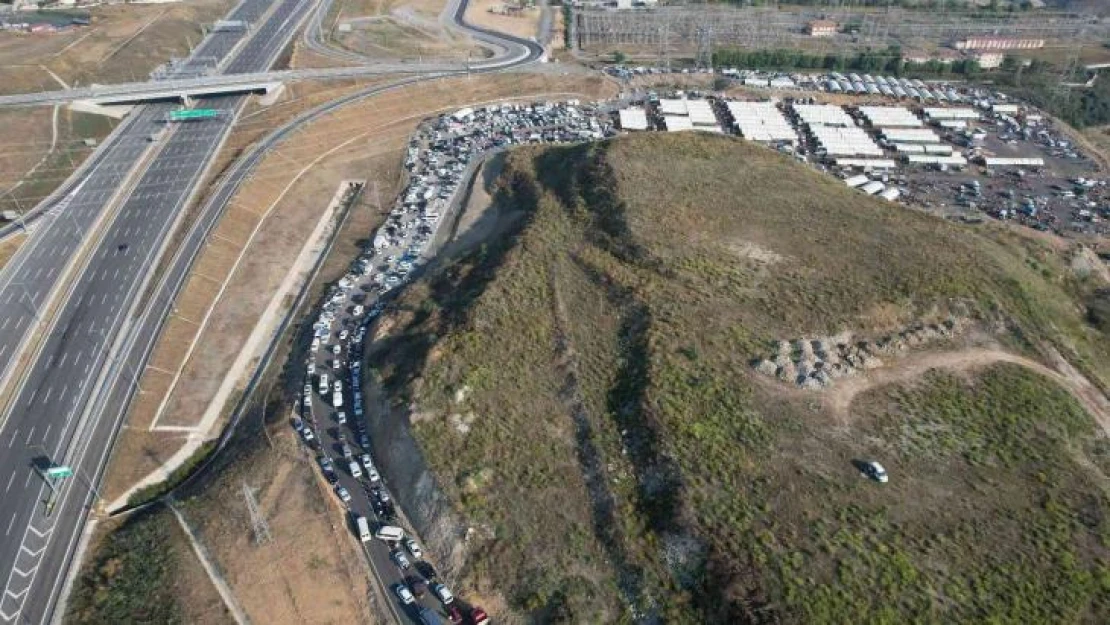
839, 397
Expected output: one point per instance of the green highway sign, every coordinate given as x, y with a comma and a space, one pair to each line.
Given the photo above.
183, 115
59, 472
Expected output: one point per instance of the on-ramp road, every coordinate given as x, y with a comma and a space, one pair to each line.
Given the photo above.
83, 364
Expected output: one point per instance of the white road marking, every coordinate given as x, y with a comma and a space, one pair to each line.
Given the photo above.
46, 434
11, 478
29, 435
12, 442
10, 523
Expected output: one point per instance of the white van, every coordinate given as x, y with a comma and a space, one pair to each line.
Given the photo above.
389, 533
323, 384
363, 528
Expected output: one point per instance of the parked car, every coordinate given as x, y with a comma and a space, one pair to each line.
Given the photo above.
343, 493
443, 592
414, 548
875, 471
399, 559
404, 594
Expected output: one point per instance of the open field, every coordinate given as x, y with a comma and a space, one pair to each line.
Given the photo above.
144, 571
582, 385
9, 246
123, 43
41, 156
310, 572
524, 23
396, 29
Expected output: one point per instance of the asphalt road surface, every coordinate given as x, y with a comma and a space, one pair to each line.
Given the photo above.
49, 420
83, 366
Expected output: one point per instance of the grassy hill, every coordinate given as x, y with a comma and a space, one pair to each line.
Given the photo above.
583, 385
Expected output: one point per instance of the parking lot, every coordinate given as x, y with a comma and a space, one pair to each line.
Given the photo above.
1007, 162
331, 418
1059, 195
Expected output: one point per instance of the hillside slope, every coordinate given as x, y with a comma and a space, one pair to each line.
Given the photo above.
630, 397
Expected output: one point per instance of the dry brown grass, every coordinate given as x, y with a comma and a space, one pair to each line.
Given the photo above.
29, 170
368, 139
311, 572
9, 246
524, 23
111, 49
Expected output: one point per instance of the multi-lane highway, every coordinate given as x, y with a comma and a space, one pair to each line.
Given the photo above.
48, 418
509, 52
82, 372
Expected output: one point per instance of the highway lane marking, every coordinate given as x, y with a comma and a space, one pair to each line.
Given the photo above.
62, 362
11, 478
29, 435
46, 399
27, 482
47, 433
12, 522
12, 441
3, 349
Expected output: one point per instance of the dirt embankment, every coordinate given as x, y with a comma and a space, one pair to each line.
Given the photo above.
401, 459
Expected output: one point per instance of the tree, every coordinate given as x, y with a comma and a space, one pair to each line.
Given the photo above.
619, 57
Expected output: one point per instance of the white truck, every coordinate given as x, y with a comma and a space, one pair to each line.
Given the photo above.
363, 528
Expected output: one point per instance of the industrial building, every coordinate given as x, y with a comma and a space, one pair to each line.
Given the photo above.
998, 43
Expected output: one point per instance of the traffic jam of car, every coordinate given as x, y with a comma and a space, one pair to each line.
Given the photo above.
332, 412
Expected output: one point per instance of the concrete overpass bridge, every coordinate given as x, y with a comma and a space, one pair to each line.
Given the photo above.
219, 84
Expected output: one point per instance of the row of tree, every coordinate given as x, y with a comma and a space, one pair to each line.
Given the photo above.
888, 61
994, 6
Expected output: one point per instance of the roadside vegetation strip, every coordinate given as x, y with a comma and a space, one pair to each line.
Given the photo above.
653, 238
196, 470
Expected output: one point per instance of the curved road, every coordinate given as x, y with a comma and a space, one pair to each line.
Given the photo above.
82, 430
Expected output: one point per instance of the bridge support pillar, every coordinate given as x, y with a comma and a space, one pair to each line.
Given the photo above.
115, 111
272, 95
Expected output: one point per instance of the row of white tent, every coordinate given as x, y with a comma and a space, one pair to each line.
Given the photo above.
761, 121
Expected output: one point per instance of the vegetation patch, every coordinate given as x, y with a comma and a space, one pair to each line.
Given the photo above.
130, 576
625, 461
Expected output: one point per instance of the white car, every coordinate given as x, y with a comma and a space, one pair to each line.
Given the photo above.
372, 473
341, 417
315, 344
337, 400
337, 386
311, 367
414, 548
336, 349
404, 594
343, 335
354, 469
875, 471
308, 435
443, 593
400, 560
323, 383
343, 493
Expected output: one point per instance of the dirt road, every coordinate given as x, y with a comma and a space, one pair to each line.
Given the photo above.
839, 397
